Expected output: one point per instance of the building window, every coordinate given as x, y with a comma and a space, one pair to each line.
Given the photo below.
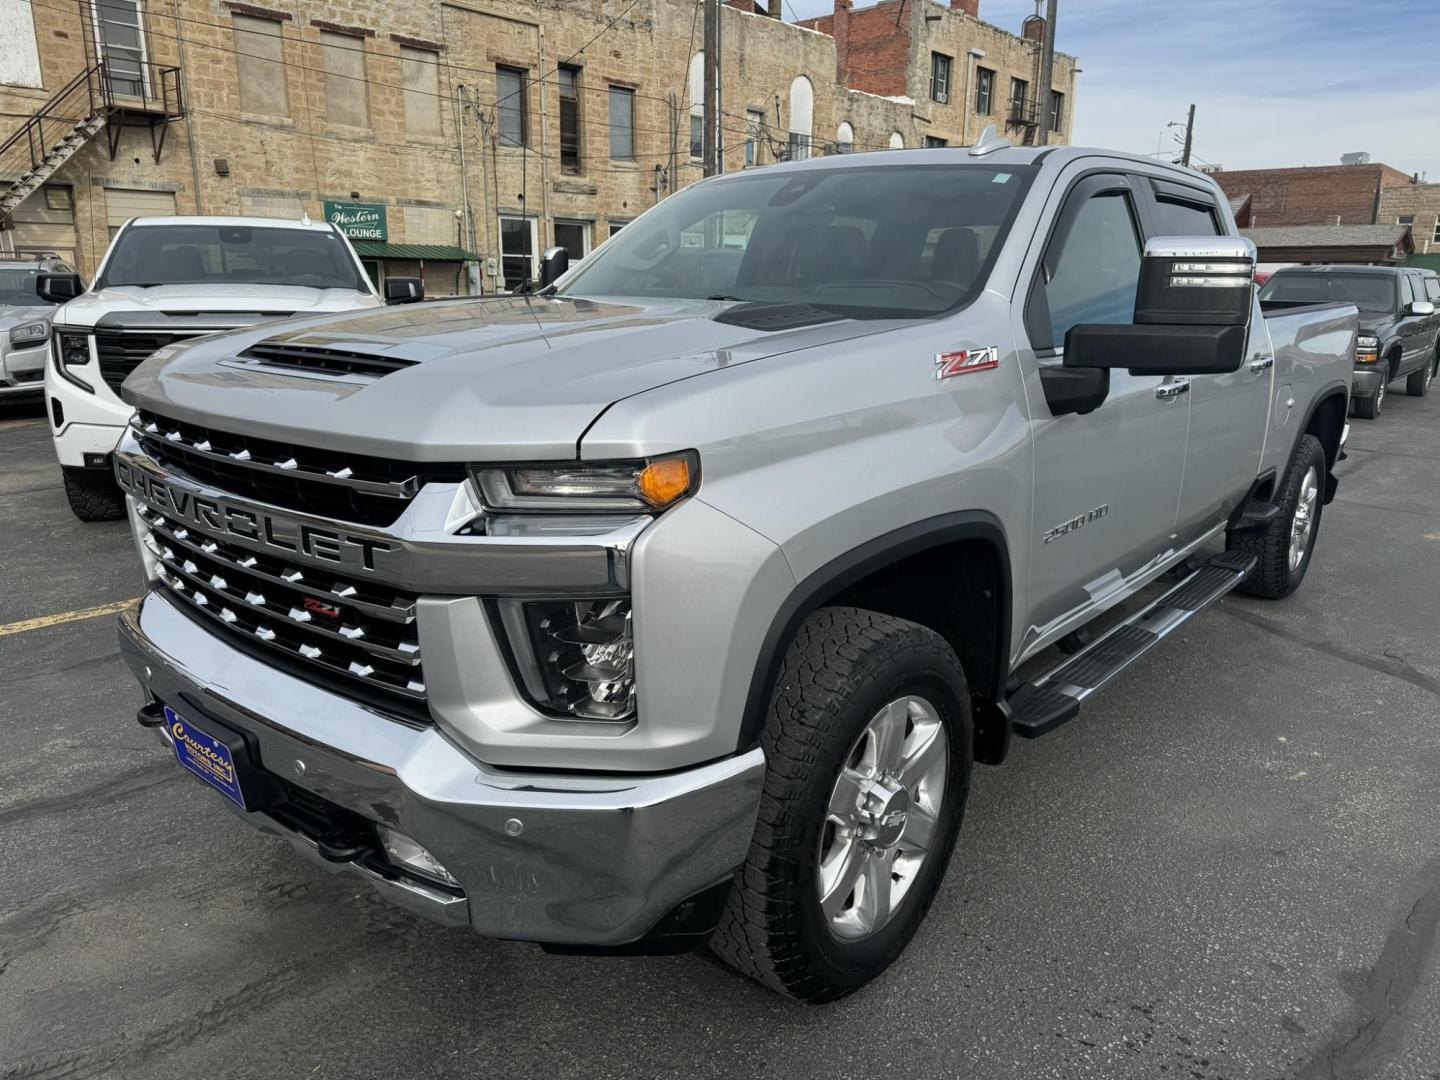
622, 123
510, 105
697, 106
933, 142
940, 78
1405, 219
754, 135
802, 115
420, 76
260, 66
1057, 110
1019, 92
346, 99
984, 91
574, 237
569, 119
517, 250
1437, 231
616, 226
845, 138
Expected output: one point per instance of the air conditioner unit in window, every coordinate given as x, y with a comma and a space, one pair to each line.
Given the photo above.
942, 96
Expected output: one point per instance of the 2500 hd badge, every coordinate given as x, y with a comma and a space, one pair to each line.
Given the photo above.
221, 516
1065, 528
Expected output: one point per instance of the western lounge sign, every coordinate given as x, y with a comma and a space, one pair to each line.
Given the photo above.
359, 221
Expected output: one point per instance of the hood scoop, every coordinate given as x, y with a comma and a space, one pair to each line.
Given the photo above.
321, 360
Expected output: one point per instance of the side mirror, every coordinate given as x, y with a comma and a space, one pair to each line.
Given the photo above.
1422, 307
404, 290
1192, 312
1074, 389
57, 288
554, 262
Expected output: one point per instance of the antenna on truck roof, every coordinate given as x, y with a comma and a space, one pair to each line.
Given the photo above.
990, 140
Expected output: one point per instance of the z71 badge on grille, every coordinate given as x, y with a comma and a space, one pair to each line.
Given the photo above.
950, 364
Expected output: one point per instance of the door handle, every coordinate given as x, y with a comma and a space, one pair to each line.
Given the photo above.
1261, 363
1170, 390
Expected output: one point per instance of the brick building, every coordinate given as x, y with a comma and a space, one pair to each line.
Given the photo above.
1315, 195
441, 131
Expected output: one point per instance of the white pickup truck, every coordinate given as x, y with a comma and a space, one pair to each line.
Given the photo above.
167, 279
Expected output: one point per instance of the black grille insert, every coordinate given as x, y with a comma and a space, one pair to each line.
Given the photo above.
325, 361
347, 487
121, 351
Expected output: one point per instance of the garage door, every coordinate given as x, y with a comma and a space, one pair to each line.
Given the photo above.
122, 204
45, 223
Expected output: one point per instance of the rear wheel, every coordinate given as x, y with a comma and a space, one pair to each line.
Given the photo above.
1284, 547
1418, 384
93, 494
868, 751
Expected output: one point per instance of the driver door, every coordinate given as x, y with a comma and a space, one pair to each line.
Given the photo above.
1107, 483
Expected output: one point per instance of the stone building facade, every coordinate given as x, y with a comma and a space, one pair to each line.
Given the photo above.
1418, 206
457, 139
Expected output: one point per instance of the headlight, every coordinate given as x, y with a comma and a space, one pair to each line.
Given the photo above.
575, 657
74, 349
1367, 349
646, 484
27, 335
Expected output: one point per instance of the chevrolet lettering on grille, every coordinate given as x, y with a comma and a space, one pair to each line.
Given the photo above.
221, 517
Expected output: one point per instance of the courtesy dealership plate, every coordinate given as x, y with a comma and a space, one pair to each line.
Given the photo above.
204, 755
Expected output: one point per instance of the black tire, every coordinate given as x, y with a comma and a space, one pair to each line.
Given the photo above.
93, 494
1368, 408
844, 665
1418, 384
1273, 577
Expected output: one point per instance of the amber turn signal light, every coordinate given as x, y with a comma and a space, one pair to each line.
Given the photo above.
662, 482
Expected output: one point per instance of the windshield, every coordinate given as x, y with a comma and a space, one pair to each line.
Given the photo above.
1368, 292
17, 287
876, 241
148, 255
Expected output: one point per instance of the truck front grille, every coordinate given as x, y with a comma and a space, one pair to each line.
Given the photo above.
121, 351
347, 487
358, 635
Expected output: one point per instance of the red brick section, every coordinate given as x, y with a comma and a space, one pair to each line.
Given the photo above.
872, 46
1033, 28
969, 7
1317, 195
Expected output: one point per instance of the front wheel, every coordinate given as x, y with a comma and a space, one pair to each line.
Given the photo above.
93, 494
1418, 384
868, 747
1285, 546
1368, 408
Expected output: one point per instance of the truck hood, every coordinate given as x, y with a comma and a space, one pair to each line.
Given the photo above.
15, 314
161, 300
504, 379
1381, 323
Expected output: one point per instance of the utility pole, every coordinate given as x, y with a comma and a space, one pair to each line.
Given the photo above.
1047, 76
1189, 137
712, 152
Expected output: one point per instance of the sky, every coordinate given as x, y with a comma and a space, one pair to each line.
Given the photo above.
1275, 82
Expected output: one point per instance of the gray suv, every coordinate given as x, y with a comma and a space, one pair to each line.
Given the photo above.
1399, 325
25, 323
673, 604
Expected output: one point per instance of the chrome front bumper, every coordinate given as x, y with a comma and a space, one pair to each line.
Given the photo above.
555, 858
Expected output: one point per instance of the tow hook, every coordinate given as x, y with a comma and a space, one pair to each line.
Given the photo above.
151, 714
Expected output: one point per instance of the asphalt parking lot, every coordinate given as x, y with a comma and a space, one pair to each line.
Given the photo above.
1229, 867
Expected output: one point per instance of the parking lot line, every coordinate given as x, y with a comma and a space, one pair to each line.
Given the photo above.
64, 617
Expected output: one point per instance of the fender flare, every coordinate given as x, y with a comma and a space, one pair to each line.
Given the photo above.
844, 570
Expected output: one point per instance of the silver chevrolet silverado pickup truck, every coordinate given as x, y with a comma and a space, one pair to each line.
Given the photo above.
672, 604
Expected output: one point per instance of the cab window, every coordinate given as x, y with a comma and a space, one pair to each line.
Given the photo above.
1097, 271
1177, 217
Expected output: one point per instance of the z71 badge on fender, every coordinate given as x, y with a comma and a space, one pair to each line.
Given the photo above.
1074, 523
950, 364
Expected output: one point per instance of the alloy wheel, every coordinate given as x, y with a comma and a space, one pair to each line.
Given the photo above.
883, 816
1302, 527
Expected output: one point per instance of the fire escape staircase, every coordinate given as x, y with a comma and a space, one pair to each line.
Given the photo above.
93, 101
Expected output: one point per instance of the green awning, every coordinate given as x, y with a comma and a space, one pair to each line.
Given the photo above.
1424, 262
375, 249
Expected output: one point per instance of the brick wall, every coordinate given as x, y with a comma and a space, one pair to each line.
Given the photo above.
1316, 195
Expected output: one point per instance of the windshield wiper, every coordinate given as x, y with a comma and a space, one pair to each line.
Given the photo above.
738, 299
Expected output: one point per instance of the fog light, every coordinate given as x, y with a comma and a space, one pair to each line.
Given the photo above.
405, 852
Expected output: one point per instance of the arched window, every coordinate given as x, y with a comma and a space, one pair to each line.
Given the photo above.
697, 105
802, 116
897, 141
845, 138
